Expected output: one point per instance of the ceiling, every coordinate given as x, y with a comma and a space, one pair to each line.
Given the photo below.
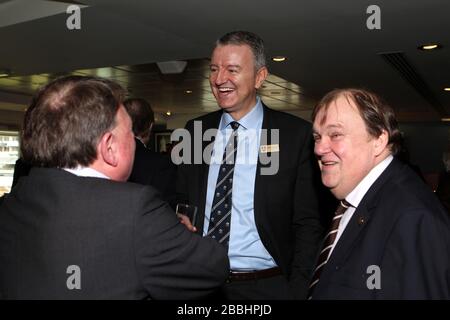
326, 42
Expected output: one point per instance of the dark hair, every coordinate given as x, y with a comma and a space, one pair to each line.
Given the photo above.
246, 38
66, 118
141, 114
376, 113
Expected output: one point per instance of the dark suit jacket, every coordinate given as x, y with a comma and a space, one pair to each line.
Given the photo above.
127, 243
285, 204
400, 227
21, 169
155, 169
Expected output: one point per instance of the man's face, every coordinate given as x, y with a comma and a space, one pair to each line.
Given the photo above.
345, 150
234, 80
125, 144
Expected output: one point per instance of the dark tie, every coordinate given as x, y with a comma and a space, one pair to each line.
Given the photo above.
220, 219
328, 244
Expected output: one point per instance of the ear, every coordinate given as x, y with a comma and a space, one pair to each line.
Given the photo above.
261, 75
381, 143
108, 149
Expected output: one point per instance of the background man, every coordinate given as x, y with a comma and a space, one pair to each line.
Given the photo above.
150, 167
391, 238
270, 223
74, 212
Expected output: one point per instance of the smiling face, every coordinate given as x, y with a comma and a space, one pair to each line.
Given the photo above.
345, 150
234, 80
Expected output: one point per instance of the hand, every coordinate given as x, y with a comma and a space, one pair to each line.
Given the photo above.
187, 222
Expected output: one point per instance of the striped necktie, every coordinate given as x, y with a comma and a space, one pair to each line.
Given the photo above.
328, 244
220, 219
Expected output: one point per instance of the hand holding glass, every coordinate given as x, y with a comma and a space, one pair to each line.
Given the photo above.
187, 210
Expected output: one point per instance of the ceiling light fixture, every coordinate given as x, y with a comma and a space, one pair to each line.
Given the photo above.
445, 119
447, 89
172, 67
429, 46
168, 113
279, 58
188, 91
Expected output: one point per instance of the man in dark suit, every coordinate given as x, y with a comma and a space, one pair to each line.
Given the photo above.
74, 229
271, 221
150, 167
391, 237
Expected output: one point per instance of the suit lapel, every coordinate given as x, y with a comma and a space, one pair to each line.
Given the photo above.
260, 193
347, 241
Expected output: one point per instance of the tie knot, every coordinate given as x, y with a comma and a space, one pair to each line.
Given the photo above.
234, 125
342, 207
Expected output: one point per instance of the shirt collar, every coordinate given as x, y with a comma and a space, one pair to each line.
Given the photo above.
251, 120
355, 197
86, 172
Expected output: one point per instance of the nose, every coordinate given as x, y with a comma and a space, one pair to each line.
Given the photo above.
321, 146
220, 77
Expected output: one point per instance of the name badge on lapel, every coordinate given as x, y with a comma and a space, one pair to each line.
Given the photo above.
269, 148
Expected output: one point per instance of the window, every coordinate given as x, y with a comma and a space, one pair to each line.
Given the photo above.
9, 153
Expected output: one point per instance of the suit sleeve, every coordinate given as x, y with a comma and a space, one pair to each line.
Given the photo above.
182, 185
307, 224
166, 179
172, 262
417, 257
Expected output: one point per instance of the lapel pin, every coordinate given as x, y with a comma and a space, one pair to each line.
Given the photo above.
361, 220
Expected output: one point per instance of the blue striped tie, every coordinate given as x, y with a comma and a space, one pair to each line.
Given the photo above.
220, 219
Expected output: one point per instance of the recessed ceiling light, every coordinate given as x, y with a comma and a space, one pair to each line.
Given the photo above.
430, 46
279, 58
188, 91
447, 89
169, 113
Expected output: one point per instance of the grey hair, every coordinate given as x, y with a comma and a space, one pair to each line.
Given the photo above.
250, 39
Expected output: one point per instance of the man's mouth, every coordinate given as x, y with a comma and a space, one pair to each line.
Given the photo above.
328, 163
225, 90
